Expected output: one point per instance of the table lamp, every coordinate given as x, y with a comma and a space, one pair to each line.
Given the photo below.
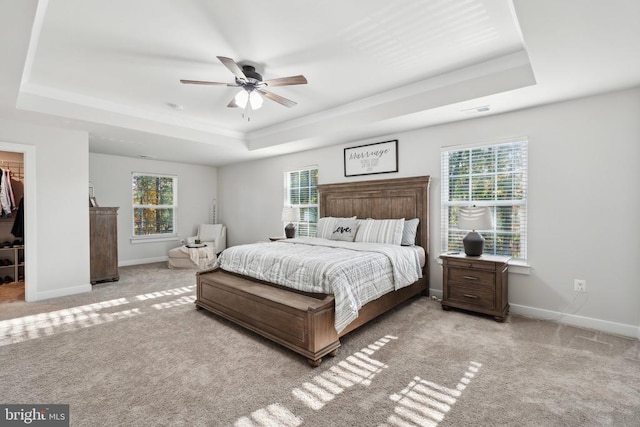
474, 218
292, 215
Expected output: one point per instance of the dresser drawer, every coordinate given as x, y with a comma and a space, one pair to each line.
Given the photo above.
471, 277
472, 295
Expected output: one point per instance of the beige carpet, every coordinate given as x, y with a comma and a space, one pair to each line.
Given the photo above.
136, 353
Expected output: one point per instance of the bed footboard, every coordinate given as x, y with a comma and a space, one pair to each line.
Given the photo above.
302, 323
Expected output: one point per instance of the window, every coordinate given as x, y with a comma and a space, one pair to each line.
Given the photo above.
155, 199
301, 192
490, 175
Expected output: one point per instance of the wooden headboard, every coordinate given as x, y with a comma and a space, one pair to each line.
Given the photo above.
380, 199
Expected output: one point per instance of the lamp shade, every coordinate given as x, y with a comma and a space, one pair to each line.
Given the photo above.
474, 218
291, 215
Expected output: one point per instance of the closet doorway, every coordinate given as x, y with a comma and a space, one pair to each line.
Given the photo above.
12, 254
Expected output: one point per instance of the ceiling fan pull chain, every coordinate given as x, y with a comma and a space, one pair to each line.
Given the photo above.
246, 111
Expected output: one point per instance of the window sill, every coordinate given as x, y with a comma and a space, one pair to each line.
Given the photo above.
138, 240
519, 267
516, 267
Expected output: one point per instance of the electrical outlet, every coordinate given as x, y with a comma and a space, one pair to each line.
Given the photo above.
580, 285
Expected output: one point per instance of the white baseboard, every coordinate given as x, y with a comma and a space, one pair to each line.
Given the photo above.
567, 319
579, 321
143, 261
435, 293
62, 292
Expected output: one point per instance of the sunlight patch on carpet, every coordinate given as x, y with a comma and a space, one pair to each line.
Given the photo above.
175, 303
274, 415
423, 403
70, 319
357, 368
169, 292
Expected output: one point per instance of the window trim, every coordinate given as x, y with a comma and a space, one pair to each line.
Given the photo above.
521, 264
147, 238
287, 201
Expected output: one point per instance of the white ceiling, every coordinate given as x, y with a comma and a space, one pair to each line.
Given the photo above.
374, 67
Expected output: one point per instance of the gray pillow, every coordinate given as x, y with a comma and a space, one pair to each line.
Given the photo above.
388, 231
345, 230
409, 232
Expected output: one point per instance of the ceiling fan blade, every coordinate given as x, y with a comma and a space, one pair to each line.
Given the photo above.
286, 81
277, 98
198, 82
233, 67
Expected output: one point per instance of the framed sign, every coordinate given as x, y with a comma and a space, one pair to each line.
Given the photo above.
381, 157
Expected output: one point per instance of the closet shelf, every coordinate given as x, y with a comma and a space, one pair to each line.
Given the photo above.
14, 255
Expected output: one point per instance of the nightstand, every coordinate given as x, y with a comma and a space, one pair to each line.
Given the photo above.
479, 284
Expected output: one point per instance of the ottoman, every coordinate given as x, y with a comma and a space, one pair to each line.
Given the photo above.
199, 258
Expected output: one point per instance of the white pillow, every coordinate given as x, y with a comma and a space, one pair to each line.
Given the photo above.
409, 231
326, 225
380, 231
345, 230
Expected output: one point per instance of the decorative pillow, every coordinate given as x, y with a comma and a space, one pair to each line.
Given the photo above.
326, 225
409, 231
344, 229
381, 231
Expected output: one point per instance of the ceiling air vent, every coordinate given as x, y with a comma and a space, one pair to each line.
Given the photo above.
477, 110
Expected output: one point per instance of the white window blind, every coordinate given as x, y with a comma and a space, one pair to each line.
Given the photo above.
154, 203
301, 192
494, 176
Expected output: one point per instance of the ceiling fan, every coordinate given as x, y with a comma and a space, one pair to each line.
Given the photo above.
253, 87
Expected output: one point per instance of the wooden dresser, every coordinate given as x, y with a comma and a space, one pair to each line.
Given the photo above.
477, 284
103, 232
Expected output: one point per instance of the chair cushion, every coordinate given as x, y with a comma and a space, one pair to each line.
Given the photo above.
209, 232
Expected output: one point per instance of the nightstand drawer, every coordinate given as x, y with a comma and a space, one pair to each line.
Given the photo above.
480, 265
479, 297
472, 277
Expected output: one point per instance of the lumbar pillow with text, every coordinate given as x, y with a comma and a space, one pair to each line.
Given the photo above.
344, 229
326, 225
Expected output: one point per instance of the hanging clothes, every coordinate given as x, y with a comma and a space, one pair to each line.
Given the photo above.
12, 199
18, 224
6, 193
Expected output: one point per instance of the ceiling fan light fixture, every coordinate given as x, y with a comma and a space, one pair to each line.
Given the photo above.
250, 97
242, 98
255, 99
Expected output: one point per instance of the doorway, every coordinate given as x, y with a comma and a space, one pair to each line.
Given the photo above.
12, 257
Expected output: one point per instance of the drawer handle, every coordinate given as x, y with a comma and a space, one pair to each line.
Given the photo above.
470, 277
470, 296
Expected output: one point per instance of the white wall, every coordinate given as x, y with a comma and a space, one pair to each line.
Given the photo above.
583, 202
111, 179
57, 212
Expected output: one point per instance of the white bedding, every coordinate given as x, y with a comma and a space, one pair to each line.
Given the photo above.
354, 272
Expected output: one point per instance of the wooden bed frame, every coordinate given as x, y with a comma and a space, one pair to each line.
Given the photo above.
304, 322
